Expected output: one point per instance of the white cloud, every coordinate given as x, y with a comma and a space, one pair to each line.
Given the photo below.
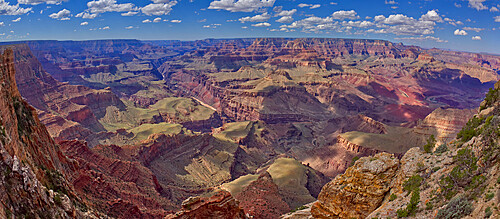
476, 38
285, 19
176, 21
497, 19
86, 15
7, 9
431, 16
146, 21
17, 19
84, 23
310, 6
494, 9
477, 4
391, 2
240, 5
105, 28
130, 13
459, 32
286, 13
158, 8
156, 20
257, 18
36, 2
129, 27
102, 6
264, 24
343, 15
61, 15
477, 29
2, 24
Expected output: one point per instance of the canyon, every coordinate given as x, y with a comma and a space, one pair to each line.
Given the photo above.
231, 127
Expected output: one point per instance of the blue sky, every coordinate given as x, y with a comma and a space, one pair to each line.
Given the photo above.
468, 25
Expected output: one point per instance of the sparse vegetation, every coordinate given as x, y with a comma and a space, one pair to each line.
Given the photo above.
412, 183
412, 207
299, 208
57, 199
489, 196
441, 149
431, 142
469, 130
458, 207
393, 197
354, 159
487, 212
491, 97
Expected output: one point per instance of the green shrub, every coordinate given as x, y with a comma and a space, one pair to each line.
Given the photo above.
469, 130
491, 97
429, 206
489, 196
57, 199
412, 207
441, 149
487, 212
412, 183
354, 159
431, 142
393, 197
458, 207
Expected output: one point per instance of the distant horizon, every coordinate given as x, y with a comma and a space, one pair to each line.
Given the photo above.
462, 25
234, 38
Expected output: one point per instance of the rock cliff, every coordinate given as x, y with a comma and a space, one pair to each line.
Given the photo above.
34, 170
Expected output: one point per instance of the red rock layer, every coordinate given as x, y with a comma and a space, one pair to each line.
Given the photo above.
220, 205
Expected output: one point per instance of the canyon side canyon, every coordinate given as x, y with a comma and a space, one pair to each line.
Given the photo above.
247, 128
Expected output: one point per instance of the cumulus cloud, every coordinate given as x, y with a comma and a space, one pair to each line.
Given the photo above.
477, 4
391, 2
497, 18
102, 6
36, 2
285, 19
257, 18
176, 21
158, 8
146, 21
130, 13
86, 15
264, 24
240, 5
129, 27
310, 6
286, 13
476, 38
84, 23
477, 29
156, 20
7, 9
401, 24
494, 9
16, 20
459, 32
345, 15
431, 16
61, 15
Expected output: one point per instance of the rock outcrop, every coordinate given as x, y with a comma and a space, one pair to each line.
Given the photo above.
261, 198
359, 191
219, 205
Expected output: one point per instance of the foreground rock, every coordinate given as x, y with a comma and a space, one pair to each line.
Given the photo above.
220, 205
359, 191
